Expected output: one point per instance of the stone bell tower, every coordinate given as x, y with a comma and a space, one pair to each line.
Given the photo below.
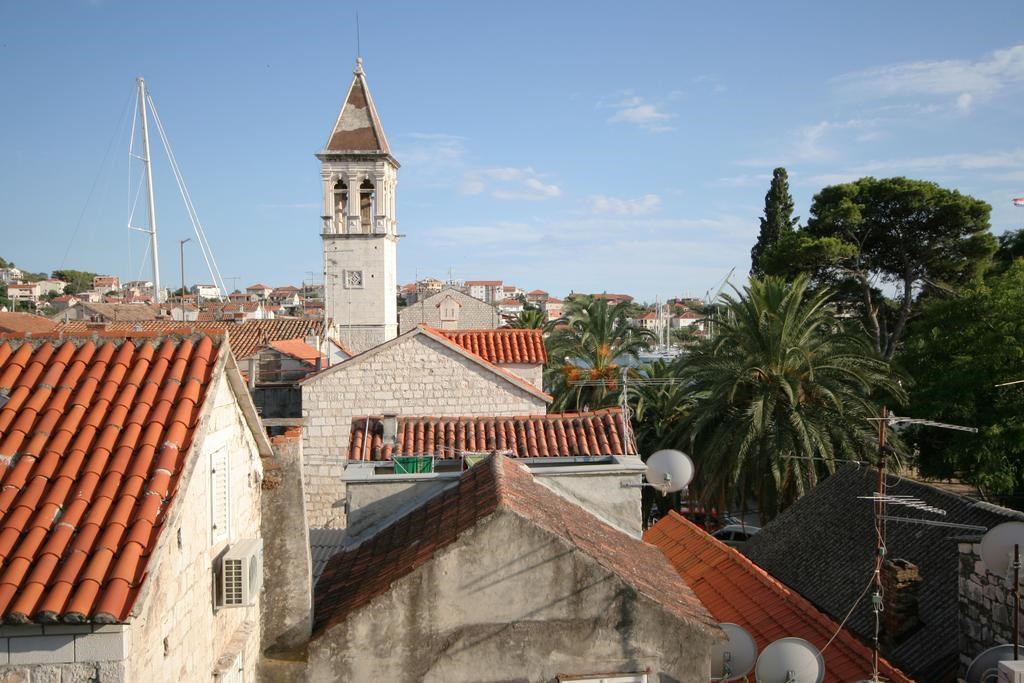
359, 226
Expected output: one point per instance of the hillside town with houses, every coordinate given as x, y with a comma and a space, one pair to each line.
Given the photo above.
355, 478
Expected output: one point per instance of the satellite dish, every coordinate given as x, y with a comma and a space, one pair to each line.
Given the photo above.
669, 471
997, 546
985, 667
732, 660
790, 660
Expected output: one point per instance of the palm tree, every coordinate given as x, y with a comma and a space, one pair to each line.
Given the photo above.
781, 394
590, 342
531, 319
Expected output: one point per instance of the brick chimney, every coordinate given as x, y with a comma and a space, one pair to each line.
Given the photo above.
901, 580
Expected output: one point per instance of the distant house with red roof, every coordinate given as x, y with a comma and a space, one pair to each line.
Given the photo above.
489, 291
259, 292
130, 471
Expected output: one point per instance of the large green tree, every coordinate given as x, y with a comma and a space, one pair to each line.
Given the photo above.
590, 343
880, 243
958, 351
780, 395
777, 222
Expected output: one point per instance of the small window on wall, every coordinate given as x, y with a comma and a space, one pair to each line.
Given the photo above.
220, 497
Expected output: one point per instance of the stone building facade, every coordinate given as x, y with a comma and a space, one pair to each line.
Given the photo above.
173, 630
449, 309
415, 374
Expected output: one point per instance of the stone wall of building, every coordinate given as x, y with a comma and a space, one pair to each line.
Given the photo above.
178, 633
531, 372
509, 602
413, 376
287, 609
985, 617
473, 314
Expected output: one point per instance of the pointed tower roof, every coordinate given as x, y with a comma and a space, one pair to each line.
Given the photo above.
358, 127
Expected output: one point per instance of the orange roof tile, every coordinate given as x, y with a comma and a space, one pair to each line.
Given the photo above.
93, 438
300, 350
601, 432
501, 346
736, 590
25, 322
355, 577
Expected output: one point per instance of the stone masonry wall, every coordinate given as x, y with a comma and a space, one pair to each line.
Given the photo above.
178, 635
415, 376
986, 606
473, 315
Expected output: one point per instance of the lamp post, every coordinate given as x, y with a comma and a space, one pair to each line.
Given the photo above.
181, 247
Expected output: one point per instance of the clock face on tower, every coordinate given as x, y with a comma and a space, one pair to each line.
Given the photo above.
354, 279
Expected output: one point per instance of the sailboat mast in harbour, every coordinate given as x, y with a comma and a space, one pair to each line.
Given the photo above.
147, 160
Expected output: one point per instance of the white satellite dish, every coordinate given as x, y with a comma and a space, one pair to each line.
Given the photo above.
985, 667
790, 660
997, 547
732, 660
669, 471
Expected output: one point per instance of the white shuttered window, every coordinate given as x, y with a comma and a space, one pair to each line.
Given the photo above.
220, 501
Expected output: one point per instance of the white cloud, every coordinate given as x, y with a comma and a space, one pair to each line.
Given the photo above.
431, 149
509, 183
961, 81
818, 142
631, 109
640, 206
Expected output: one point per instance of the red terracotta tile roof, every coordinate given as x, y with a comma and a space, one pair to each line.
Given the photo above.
354, 578
93, 438
736, 590
249, 336
501, 346
25, 323
601, 432
299, 350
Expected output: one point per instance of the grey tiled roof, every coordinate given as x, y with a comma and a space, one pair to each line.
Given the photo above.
323, 545
823, 547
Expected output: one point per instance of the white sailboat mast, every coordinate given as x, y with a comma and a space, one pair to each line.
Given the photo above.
149, 191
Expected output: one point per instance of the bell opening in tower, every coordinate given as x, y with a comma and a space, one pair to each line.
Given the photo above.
340, 205
367, 205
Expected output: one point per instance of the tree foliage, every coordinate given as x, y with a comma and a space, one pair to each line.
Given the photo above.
957, 352
530, 318
879, 243
78, 280
778, 220
590, 342
780, 395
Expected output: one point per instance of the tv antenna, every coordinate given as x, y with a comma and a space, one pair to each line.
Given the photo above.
733, 659
790, 660
985, 667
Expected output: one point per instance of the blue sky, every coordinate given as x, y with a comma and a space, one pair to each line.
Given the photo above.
566, 146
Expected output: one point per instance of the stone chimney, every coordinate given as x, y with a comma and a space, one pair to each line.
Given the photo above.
901, 580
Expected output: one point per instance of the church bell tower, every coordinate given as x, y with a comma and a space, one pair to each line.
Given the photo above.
359, 227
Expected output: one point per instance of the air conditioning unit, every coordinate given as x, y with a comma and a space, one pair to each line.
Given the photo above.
1011, 672
241, 574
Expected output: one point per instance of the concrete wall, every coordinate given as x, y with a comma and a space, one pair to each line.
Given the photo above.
986, 606
62, 652
287, 609
177, 633
414, 376
509, 601
473, 313
375, 500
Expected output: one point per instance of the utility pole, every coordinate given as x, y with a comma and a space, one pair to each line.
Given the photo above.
181, 247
